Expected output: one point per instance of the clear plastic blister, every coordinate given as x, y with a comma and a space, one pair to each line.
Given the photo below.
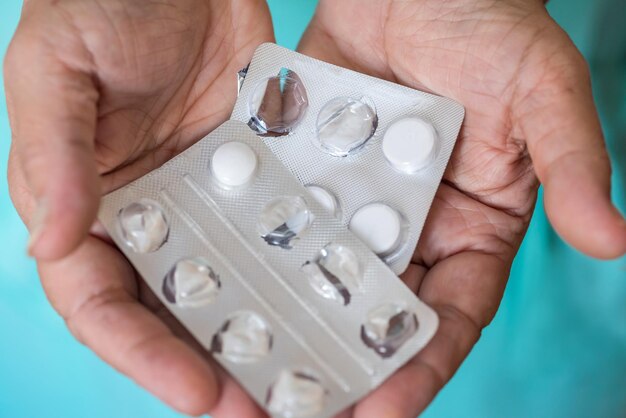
360, 139
267, 279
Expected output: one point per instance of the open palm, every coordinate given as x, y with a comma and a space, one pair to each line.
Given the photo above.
529, 116
99, 94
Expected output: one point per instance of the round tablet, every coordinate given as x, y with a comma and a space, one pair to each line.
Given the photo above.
324, 198
410, 144
234, 164
379, 226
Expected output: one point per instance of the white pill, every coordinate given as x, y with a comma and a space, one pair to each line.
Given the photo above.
410, 144
378, 226
234, 164
324, 198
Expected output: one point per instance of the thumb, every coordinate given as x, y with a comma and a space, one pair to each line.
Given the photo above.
52, 108
565, 142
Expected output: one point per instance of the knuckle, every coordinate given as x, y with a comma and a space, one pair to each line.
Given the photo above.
33, 156
90, 305
19, 192
11, 59
22, 51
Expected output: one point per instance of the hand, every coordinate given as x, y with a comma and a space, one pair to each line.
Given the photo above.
529, 116
100, 93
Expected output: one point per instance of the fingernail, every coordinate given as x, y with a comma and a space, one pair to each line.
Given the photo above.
37, 226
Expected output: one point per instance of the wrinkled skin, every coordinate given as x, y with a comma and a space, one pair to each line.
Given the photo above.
101, 92
529, 116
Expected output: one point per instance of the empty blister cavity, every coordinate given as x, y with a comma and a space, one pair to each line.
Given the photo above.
410, 144
143, 226
245, 337
324, 198
191, 283
277, 104
396, 141
296, 394
234, 165
345, 124
380, 227
387, 327
336, 274
299, 311
284, 220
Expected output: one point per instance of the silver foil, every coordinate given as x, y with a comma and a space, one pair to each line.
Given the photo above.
363, 176
308, 332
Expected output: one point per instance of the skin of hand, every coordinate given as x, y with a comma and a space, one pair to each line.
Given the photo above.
100, 93
530, 117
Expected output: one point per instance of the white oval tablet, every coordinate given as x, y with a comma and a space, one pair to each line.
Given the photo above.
234, 164
324, 198
379, 226
410, 144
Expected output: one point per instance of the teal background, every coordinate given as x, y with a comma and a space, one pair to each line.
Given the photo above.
557, 347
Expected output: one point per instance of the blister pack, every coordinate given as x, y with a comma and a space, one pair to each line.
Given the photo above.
371, 151
283, 295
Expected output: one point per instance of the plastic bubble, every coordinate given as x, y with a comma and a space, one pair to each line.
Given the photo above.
244, 338
296, 394
336, 274
345, 124
191, 283
284, 220
277, 104
143, 226
387, 327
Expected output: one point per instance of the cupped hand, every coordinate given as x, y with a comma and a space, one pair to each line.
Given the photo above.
100, 93
530, 118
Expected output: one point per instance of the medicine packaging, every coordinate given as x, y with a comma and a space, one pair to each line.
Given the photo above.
284, 296
371, 152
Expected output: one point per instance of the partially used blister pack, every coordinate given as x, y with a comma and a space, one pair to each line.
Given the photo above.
284, 296
371, 151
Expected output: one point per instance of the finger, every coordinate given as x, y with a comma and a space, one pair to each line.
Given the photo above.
94, 290
561, 126
465, 290
233, 400
52, 104
415, 385
413, 276
346, 413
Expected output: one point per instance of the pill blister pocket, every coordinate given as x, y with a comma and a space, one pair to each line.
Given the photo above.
287, 299
373, 151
